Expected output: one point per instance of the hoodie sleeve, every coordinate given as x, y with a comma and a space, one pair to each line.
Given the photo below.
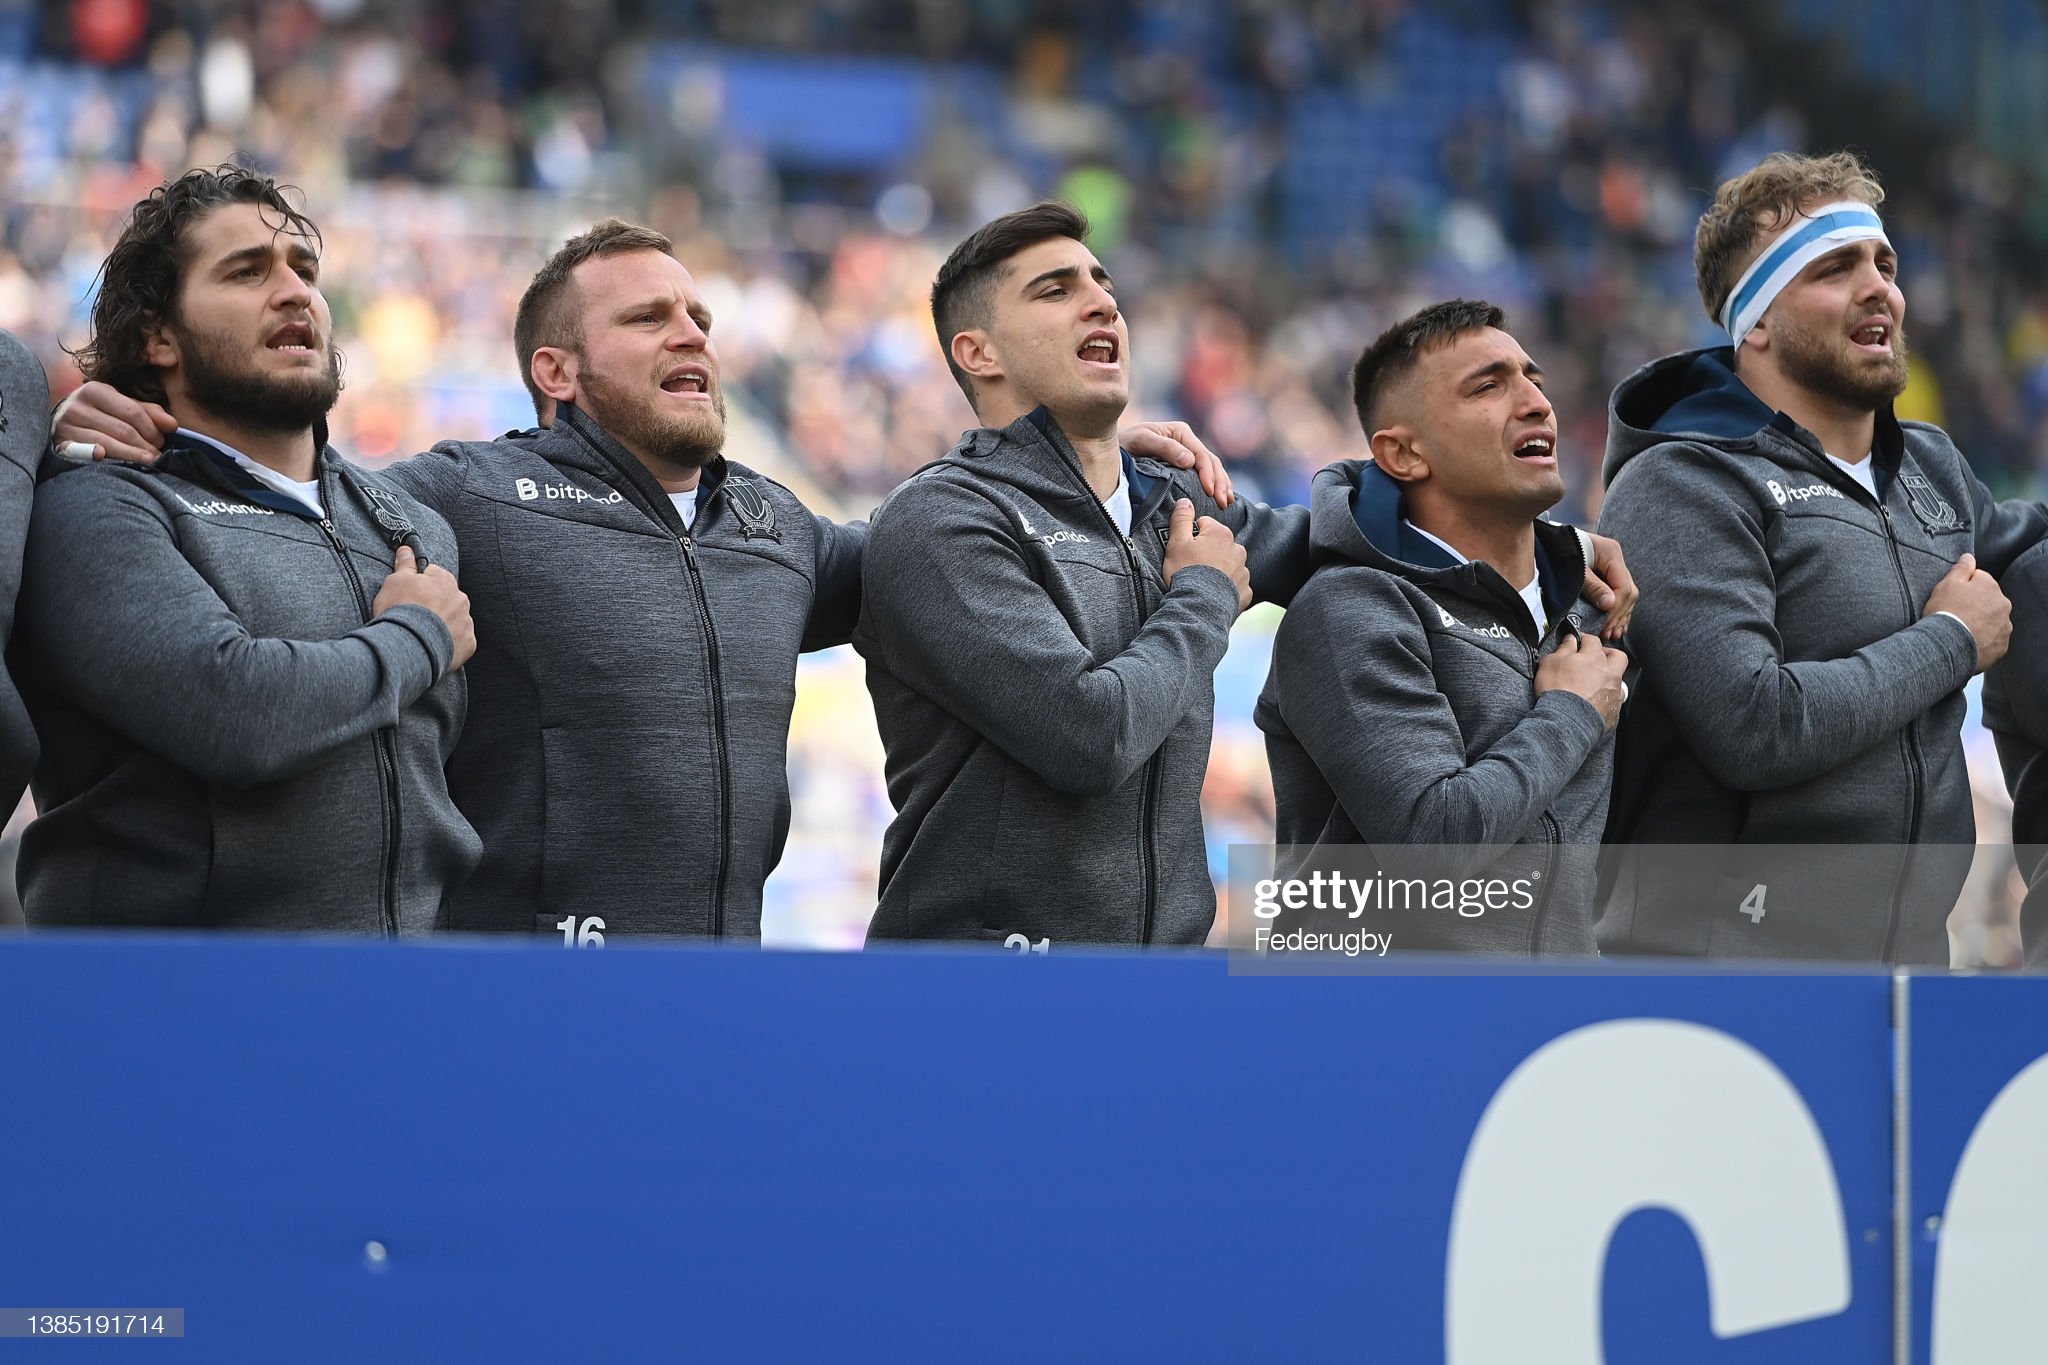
835, 600
1384, 737
433, 477
24, 441
2005, 530
2019, 681
122, 626
1275, 540
1706, 634
955, 613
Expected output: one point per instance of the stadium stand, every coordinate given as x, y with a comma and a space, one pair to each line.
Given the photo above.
1271, 183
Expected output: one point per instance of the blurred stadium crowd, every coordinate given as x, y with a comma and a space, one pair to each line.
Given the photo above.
1271, 180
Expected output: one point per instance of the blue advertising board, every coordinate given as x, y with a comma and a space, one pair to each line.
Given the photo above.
493, 1151
1976, 1100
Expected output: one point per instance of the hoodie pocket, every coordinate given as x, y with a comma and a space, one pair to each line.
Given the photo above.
632, 828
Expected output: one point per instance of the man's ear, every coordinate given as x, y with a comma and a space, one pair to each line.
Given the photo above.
1393, 449
975, 354
159, 346
555, 372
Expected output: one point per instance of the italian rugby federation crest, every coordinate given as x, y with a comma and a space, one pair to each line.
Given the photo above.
1934, 511
756, 513
389, 512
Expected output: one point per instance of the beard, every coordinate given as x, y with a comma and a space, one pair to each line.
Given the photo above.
682, 442
1811, 362
280, 404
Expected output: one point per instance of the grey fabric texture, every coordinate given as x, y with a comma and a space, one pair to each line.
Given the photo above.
625, 757
24, 433
1400, 709
1793, 693
228, 737
2016, 713
1045, 696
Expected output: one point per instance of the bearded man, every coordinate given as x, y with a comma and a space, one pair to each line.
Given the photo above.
241, 660
1817, 581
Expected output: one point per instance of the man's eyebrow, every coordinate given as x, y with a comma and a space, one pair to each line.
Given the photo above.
1068, 272
1850, 249
257, 255
251, 254
1061, 272
1504, 367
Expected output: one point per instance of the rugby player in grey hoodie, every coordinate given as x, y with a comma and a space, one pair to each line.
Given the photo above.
1817, 587
1439, 681
242, 661
1041, 618
641, 601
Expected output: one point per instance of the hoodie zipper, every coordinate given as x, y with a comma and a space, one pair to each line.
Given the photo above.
718, 735
621, 483
1152, 764
387, 761
1910, 744
1150, 870
1553, 836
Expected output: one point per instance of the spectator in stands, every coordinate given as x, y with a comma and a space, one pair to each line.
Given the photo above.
1439, 682
241, 661
1817, 588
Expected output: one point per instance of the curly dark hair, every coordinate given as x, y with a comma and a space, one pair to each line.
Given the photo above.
141, 279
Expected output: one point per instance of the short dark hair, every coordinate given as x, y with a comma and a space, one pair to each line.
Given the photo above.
551, 309
139, 283
964, 294
1394, 352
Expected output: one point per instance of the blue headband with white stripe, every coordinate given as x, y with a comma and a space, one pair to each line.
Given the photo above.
1810, 237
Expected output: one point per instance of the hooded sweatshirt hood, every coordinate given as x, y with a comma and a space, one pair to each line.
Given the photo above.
1698, 396
1358, 515
1017, 455
1695, 394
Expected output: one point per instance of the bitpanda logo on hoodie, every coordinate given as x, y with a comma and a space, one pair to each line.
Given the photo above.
1494, 632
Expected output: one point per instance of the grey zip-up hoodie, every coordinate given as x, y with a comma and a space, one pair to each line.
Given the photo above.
228, 737
1793, 691
2016, 713
1400, 709
24, 434
625, 758
1045, 696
